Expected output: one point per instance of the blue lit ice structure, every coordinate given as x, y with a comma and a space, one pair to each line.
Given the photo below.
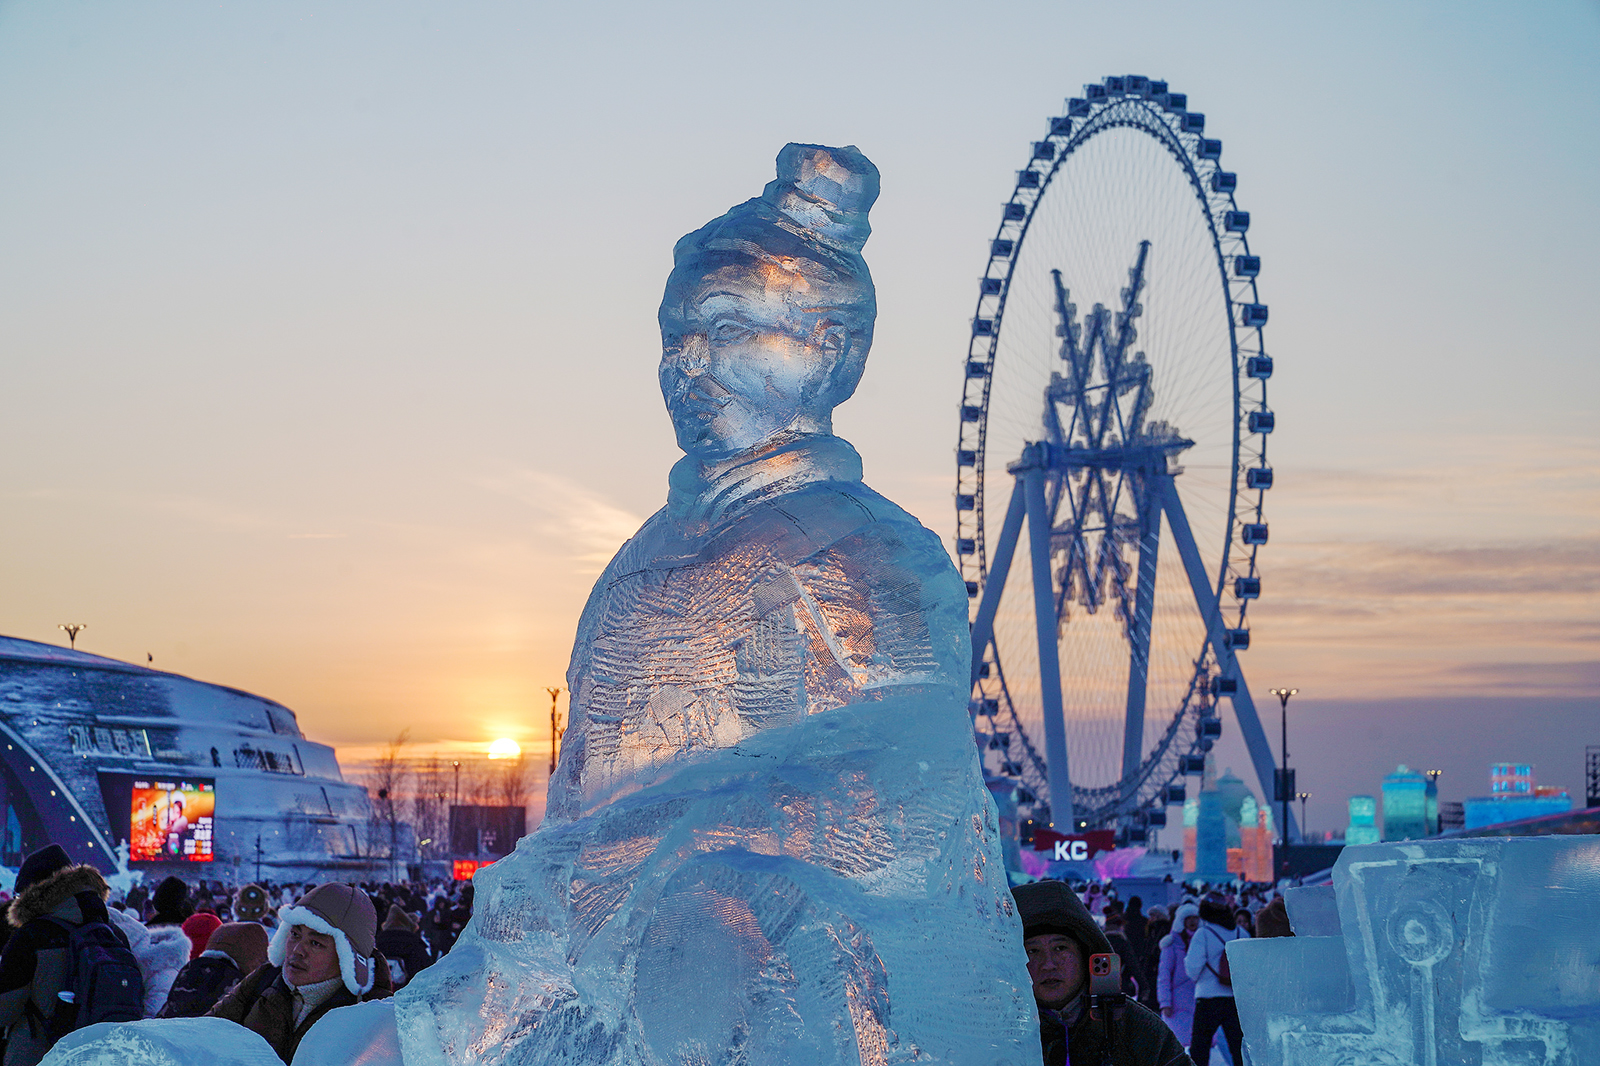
1363, 827
1482, 951
1405, 805
1513, 797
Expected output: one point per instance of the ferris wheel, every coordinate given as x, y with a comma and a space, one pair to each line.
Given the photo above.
1115, 406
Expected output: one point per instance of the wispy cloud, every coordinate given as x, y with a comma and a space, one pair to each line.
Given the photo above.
575, 520
1418, 618
1357, 571
1474, 567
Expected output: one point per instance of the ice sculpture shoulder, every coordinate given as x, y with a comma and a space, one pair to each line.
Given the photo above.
768, 839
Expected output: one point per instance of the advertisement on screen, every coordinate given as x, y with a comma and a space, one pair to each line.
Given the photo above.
171, 821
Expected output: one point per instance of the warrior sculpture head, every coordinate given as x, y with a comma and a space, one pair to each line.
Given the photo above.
767, 317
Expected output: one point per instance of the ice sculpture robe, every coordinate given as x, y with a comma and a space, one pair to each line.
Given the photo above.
768, 841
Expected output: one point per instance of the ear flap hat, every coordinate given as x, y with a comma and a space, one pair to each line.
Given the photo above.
343, 912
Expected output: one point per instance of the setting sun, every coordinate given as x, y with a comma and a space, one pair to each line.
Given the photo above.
505, 748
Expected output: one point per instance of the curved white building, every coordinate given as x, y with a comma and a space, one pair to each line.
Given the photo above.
97, 752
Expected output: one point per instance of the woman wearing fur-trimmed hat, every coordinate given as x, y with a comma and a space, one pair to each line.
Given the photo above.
322, 956
1174, 986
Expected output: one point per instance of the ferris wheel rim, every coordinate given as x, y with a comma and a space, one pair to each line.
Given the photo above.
1136, 103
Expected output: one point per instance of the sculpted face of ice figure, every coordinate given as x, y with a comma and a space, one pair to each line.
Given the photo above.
766, 320
767, 841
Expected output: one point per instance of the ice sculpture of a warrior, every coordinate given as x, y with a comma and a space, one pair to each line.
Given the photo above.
768, 841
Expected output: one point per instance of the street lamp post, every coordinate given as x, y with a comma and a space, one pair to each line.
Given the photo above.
1303, 797
72, 629
457, 765
1284, 791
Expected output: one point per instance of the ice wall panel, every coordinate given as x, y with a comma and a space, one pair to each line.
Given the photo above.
1483, 951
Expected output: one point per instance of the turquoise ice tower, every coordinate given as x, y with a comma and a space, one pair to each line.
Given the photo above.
1405, 805
1211, 828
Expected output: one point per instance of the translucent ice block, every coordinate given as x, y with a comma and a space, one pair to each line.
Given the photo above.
1482, 951
362, 1034
163, 1042
768, 839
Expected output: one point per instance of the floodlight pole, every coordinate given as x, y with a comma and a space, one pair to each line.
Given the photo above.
1283, 695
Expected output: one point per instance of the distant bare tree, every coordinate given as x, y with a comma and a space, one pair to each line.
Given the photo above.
430, 807
385, 782
478, 782
510, 781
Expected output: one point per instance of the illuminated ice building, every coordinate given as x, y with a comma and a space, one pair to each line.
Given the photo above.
1513, 796
197, 779
1226, 832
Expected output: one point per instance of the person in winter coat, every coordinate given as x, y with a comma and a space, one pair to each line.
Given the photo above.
171, 902
1174, 986
1205, 962
1157, 925
1116, 935
1135, 925
441, 917
1059, 937
198, 927
250, 904
402, 944
322, 955
160, 950
34, 965
234, 949
1273, 919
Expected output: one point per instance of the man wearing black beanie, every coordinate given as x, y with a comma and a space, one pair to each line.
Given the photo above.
1060, 936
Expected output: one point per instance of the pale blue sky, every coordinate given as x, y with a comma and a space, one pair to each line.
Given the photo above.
329, 329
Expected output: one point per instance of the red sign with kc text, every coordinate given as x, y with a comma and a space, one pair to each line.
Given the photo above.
1074, 847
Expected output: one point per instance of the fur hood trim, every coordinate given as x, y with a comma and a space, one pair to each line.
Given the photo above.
358, 981
132, 928
168, 948
42, 897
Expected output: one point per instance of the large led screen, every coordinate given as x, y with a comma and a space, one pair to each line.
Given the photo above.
162, 820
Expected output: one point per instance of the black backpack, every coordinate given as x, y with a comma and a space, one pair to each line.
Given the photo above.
199, 985
103, 980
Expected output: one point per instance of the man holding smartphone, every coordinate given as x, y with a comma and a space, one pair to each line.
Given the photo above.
1078, 1026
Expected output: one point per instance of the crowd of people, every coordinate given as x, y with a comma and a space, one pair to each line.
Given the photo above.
273, 957
276, 957
1176, 988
